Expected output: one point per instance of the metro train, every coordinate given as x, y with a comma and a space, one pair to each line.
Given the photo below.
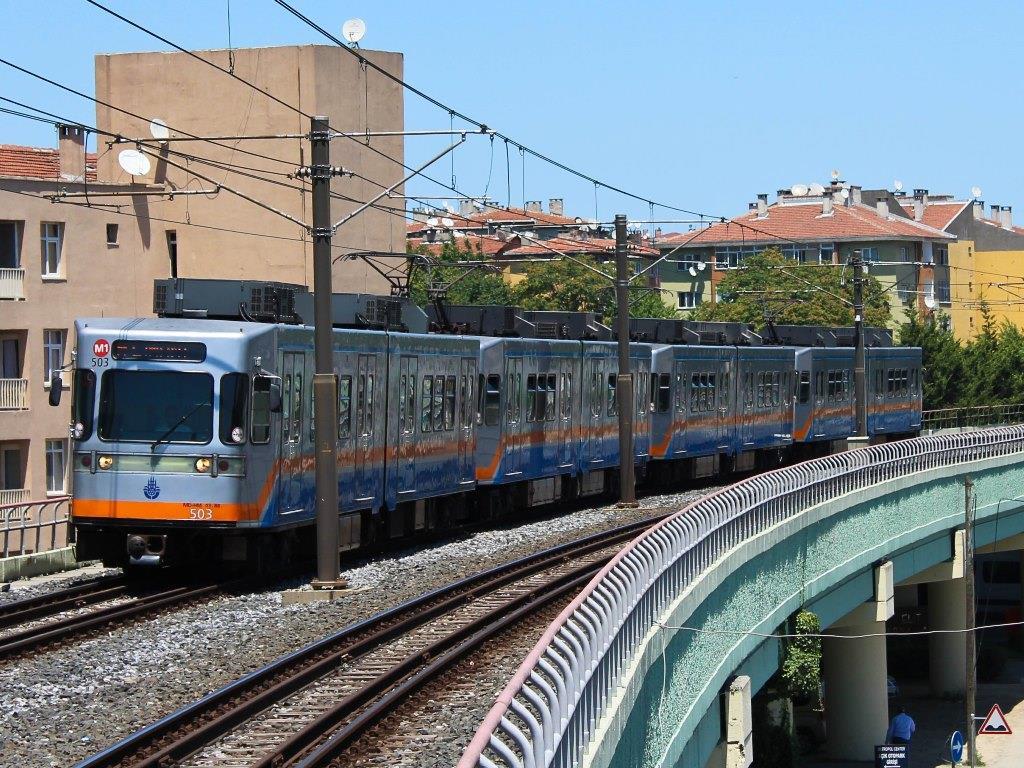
193, 431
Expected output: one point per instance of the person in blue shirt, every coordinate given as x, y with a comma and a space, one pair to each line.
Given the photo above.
901, 729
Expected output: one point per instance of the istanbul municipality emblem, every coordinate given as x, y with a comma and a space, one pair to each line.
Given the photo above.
151, 490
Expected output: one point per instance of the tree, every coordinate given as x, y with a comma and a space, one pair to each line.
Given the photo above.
801, 668
772, 287
467, 285
942, 357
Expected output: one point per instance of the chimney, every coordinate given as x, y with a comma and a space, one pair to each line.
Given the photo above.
994, 215
826, 206
420, 214
918, 208
71, 149
882, 208
922, 195
533, 206
855, 194
466, 207
978, 209
556, 206
762, 205
1006, 216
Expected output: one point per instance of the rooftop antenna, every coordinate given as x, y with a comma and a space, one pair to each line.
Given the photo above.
976, 192
897, 185
133, 162
353, 31
158, 129
835, 174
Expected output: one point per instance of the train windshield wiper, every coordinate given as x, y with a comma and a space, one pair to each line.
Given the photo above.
178, 423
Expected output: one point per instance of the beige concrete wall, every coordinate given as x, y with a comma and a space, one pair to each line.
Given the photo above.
192, 97
96, 279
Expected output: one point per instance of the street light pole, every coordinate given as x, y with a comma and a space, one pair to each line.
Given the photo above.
624, 378
970, 685
325, 401
859, 383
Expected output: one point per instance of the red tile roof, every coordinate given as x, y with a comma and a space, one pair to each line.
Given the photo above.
521, 247
38, 163
488, 215
939, 215
804, 222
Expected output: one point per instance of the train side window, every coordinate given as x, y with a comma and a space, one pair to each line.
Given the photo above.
831, 386
805, 386
259, 420
913, 382
613, 402
549, 413
889, 387
694, 392
878, 382
819, 384
531, 397
712, 391
492, 400
410, 403
664, 402
449, 403
369, 404
297, 409
776, 388
566, 401
426, 399
361, 404
510, 399
596, 392
680, 398
234, 402
286, 409
401, 402
760, 389
344, 406
438, 403
464, 419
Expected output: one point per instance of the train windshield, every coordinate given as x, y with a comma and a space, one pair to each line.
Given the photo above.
156, 406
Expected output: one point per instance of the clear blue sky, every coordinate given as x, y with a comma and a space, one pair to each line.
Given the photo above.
701, 105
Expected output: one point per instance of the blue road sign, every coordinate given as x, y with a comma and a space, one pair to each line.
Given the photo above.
956, 747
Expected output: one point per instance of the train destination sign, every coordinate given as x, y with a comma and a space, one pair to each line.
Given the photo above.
141, 349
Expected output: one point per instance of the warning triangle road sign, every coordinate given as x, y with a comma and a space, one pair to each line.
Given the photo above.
994, 723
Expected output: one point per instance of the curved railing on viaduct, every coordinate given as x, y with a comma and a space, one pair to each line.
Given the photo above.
547, 713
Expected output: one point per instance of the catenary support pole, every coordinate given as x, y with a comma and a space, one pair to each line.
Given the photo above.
624, 379
972, 680
859, 383
324, 385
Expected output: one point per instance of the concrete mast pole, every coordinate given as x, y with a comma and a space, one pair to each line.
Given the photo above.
970, 687
624, 379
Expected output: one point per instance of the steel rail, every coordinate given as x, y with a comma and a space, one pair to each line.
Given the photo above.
76, 596
62, 629
188, 729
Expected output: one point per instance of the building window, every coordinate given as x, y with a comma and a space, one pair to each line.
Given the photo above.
172, 251
869, 255
53, 353
111, 234
10, 359
733, 256
825, 253
942, 291
55, 452
904, 253
10, 469
940, 254
687, 299
10, 250
51, 240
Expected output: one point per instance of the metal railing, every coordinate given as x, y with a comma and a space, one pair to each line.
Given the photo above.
13, 394
546, 713
974, 417
34, 526
12, 283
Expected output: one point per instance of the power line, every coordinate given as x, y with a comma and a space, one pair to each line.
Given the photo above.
832, 636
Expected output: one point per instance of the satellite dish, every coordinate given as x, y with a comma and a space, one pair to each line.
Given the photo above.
835, 174
844, 193
133, 162
701, 266
578, 220
798, 190
898, 185
478, 205
432, 221
975, 192
692, 271
584, 227
447, 221
353, 30
929, 302
158, 129
816, 189
457, 233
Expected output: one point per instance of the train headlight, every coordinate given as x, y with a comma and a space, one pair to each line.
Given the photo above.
78, 430
105, 462
203, 464
238, 434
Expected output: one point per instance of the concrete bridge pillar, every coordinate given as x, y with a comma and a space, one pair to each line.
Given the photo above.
947, 609
856, 694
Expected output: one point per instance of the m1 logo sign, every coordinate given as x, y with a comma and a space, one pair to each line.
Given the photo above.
101, 348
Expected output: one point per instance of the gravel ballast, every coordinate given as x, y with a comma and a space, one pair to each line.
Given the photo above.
67, 703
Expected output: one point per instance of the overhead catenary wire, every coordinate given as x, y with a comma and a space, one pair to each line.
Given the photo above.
835, 636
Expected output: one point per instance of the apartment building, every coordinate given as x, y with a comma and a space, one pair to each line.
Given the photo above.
81, 237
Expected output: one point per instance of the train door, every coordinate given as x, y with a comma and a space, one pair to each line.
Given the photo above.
467, 412
365, 412
513, 415
678, 422
724, 411
565, 408
408, 368
745, 404
293, 369
595, 411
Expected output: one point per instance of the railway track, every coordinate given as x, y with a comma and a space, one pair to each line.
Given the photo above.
41, 633
310, 707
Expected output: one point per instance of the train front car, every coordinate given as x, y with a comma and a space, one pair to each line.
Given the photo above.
169, 417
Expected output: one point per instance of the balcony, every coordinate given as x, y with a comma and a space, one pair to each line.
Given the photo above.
13, 496
13, 397
12, 283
